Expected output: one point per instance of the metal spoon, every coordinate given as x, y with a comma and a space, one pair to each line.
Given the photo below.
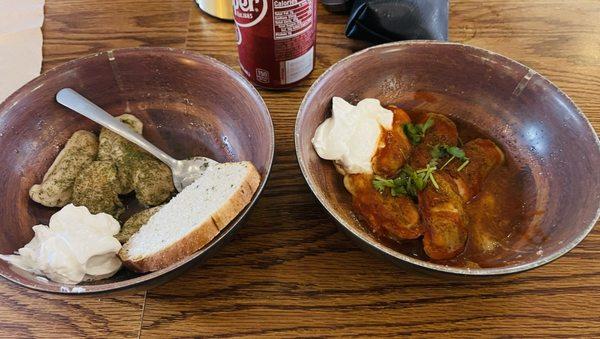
184, 171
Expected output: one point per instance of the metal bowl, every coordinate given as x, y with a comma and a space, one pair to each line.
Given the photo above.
533, 121
190, 105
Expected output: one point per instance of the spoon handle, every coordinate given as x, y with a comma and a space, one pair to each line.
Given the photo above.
75, 101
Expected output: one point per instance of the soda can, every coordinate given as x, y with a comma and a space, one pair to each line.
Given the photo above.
276, 40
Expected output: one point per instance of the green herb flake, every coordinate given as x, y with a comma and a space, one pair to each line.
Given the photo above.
434, 183
447, 162
456, 152
427, 125
398, 190
440, 151
409, 182
380, 184
437, 152
416, 133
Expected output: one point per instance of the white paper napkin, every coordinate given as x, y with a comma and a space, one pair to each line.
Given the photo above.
20, 43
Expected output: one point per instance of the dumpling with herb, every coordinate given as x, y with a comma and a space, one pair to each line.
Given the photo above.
96, 188
137, 169
122, 152
152, 182
56, 189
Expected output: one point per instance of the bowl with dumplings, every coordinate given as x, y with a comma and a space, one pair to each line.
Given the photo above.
56, 160
449, 158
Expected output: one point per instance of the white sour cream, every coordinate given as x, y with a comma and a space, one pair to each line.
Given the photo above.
76, 246
351, 136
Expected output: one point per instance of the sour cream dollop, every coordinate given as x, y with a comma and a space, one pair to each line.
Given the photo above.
351, 136
75, 246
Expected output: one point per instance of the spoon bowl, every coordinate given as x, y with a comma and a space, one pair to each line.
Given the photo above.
187, 171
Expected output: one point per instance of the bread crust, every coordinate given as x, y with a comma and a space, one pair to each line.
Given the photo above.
201, 234
239, 200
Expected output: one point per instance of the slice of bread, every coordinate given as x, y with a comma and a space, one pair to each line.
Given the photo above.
192, 218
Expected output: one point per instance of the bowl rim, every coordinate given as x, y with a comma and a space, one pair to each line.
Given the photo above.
151, 277
392, 254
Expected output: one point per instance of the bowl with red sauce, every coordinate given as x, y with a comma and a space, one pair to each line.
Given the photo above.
536, 202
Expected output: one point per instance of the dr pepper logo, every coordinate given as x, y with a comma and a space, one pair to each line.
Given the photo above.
249, 12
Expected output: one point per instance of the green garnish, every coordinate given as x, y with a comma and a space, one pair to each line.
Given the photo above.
447, 162
410, 182
381, 183
433, 182
437, 152
456, 152
440, 151
415, 133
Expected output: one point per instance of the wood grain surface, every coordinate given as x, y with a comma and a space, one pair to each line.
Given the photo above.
289, 272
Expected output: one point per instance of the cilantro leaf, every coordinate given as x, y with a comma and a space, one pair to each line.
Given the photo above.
427, 125
416, 133
398, 190
380, 184
412, 133
409, 181
456, 152
437, 152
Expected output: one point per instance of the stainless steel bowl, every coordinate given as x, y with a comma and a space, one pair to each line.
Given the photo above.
532, 120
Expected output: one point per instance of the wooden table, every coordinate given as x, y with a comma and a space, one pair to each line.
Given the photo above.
289, 271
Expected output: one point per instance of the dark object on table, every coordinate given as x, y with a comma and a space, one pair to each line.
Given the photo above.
392, 20
337, 6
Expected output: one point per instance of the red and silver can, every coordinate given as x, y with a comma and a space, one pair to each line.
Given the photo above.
276, 40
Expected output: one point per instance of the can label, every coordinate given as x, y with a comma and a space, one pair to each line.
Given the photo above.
276, 40
248, 13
